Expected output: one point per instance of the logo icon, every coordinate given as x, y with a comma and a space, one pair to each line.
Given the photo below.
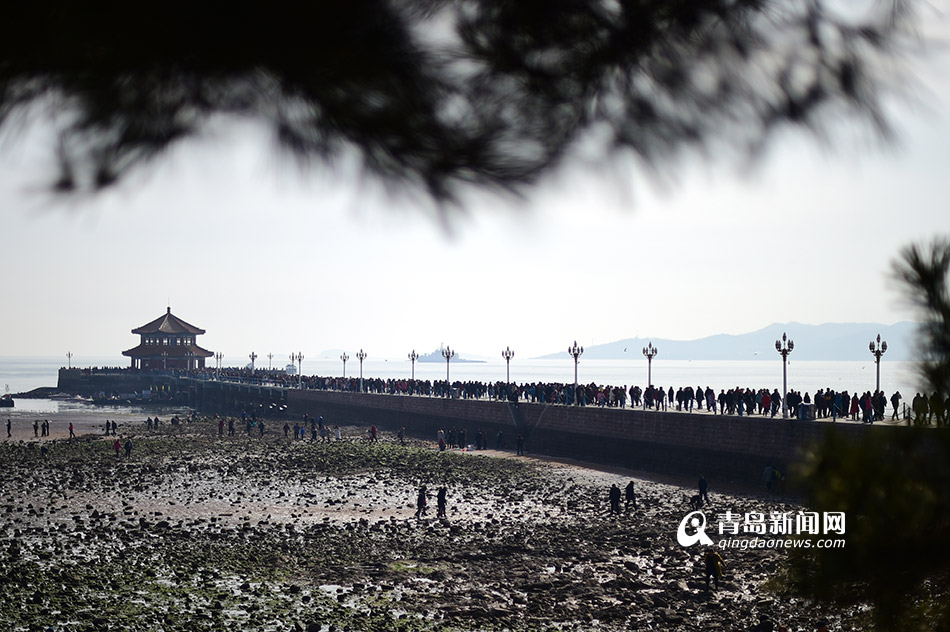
697, 521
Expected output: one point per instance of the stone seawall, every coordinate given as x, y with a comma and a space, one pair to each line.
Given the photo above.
731, 448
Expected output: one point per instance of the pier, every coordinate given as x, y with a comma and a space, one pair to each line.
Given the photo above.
727, 447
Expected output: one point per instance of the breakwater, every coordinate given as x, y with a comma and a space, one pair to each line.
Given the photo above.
728, 447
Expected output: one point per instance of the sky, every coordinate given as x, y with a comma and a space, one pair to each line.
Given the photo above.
273, 258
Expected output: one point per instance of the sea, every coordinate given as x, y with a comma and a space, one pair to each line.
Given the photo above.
22, 374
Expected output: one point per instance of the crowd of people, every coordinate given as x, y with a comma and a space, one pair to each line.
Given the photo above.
825, 403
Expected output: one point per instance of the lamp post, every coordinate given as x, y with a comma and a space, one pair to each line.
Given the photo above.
191, 360
270, 359
508, 354
784, 348
877, 351
253, 357
576, 352
361, 355
344, 357
218, 357
298, 358
69, 359
650, 352
413, 356
448, 354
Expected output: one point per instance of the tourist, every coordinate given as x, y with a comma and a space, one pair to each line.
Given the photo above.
36, 427
630, 495
374, 434
615, 499
117, 446
520, 444
72, 434
107, 428
441, 500
401, 435
421, 502
128, 447
9, 427
114, 427
714, 566
287, 430
703, 489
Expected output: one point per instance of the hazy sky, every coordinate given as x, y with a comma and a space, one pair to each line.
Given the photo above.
271, 258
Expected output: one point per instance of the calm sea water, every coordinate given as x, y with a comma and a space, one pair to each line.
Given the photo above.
20, 374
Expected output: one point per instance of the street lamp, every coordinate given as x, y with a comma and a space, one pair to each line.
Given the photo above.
298, 358
69, 359
508, 354
191, 360
270, 358
361, 355
253, 357
413, 356
344, 357
650, 352
877, 352
784, 347
218, 357
576, 352
448, 354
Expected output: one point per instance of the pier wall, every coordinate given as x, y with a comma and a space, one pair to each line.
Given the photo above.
731, 448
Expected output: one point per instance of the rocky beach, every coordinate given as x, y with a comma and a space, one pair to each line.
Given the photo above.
199, 532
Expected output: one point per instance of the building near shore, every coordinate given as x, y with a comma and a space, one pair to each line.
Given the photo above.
168, 342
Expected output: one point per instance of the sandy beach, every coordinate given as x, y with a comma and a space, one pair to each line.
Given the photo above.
200, 532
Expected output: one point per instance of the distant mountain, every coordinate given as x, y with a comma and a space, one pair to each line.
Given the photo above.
830, 341
436, 356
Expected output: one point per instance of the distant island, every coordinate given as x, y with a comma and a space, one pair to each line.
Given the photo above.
436, 356
830, 341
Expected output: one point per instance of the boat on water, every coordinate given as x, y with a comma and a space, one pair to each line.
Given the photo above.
6, 401
65, 397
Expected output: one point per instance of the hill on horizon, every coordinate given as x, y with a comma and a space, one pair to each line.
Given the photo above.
829, 341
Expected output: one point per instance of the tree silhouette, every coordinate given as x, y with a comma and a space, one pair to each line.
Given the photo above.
439, 94
894, 486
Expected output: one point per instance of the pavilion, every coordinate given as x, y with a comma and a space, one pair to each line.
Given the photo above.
168, 342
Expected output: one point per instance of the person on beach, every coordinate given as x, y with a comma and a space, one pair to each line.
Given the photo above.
520, 445
337, 433
287, 431
260, 428
128, 447
117, 446
72, 434
441, 501
714, 565
106, 428
230, 427
9, 427
630, 495
221, 427
36, 428
703, 489
114, 427
374, 435
401, 435
615, 499
421, 502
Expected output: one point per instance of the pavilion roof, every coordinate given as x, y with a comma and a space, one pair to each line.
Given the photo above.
168, 323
